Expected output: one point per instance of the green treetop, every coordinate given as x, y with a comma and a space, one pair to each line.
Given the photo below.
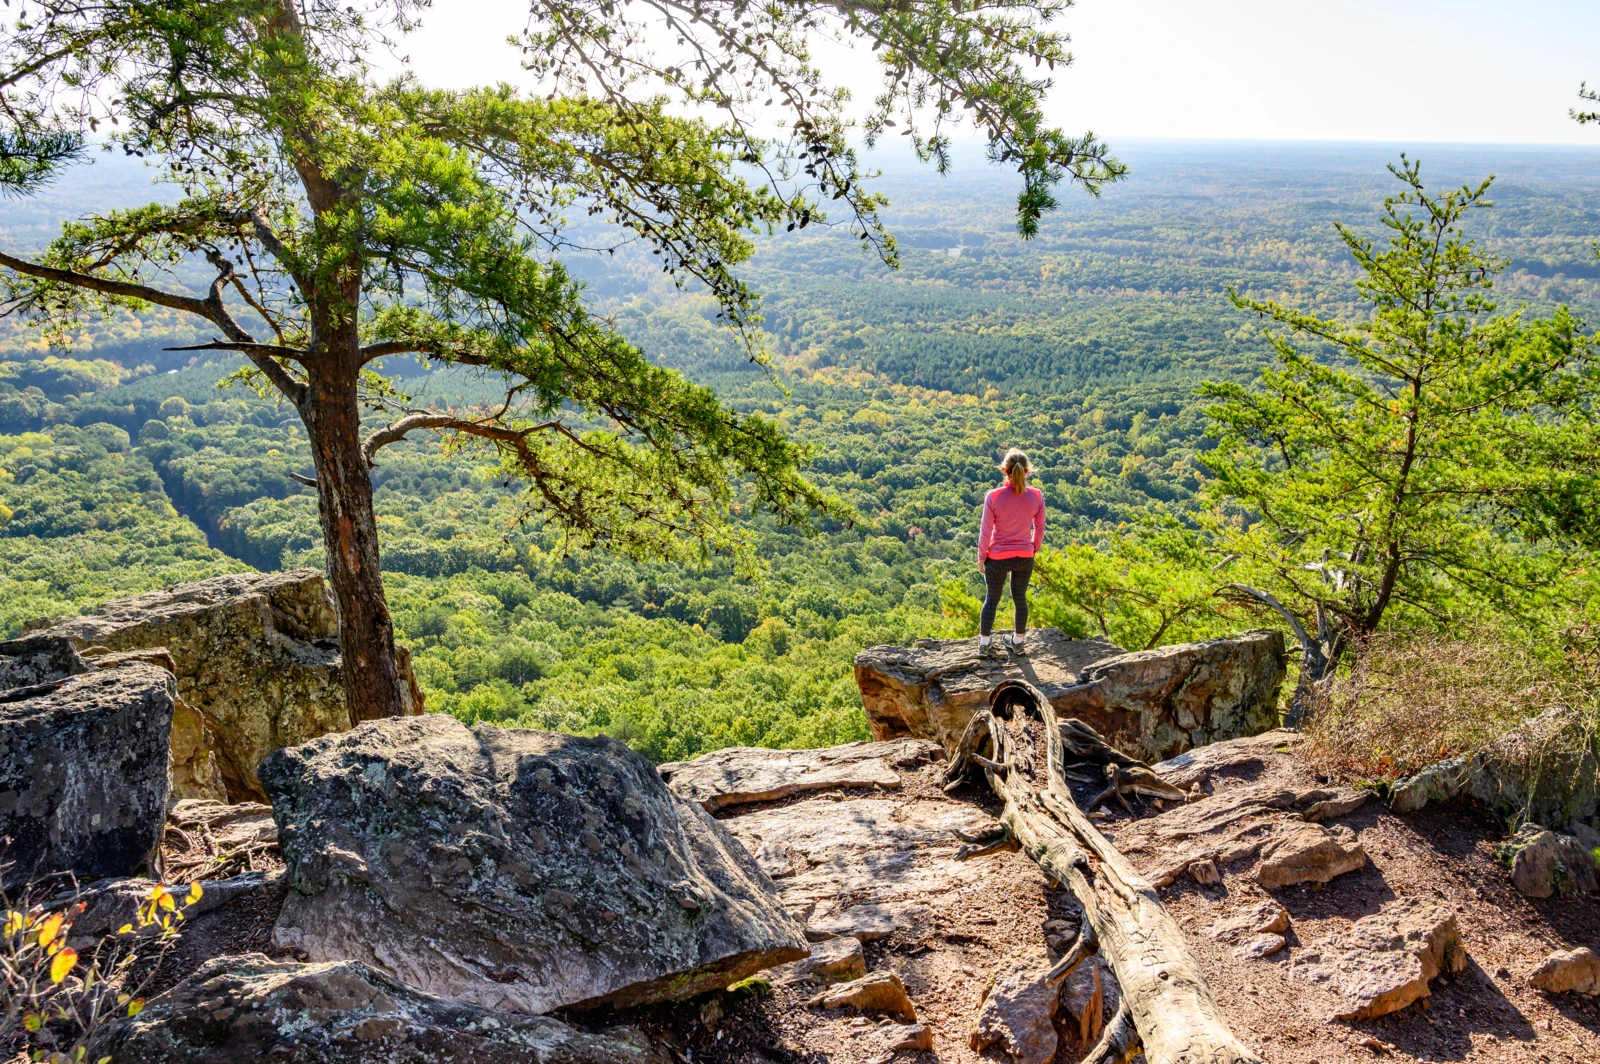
346, 220
1432, 460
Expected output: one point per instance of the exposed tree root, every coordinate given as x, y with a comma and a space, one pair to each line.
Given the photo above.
1119, 1042
1169, 1007
1082, 747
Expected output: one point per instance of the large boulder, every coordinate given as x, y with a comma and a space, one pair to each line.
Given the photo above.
248, 1008
83, 773
1152, 704
1546, 770
1385, 961
257, 661
931, 689
514, 869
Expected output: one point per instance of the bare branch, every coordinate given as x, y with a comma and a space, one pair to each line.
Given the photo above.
110, 286
390, 347
246, 347
397, 431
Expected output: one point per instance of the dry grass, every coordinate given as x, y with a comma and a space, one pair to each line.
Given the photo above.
1409, 699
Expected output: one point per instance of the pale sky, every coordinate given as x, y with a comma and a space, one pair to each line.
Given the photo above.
1410, 71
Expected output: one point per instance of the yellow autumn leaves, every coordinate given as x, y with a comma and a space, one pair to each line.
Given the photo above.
53, 984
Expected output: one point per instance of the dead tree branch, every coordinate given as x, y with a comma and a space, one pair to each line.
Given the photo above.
1171, 1010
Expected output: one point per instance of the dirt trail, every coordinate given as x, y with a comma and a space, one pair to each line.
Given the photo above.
949, 924
1486, 1013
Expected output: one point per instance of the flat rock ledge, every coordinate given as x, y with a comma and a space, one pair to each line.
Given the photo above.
743, 774
514, 869
1278, 831
854, 869
1152, 704
248, 1008
861, 868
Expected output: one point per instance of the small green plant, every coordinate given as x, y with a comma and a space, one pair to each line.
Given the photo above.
755, 986
55, 1001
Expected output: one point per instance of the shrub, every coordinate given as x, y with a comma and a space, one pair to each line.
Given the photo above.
1409, 699
56, 1002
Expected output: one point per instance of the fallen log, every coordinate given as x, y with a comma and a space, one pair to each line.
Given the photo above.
1017, 742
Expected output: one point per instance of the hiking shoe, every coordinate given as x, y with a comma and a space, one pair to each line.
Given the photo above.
1016, 648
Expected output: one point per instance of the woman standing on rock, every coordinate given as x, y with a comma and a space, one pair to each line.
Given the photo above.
1011, 534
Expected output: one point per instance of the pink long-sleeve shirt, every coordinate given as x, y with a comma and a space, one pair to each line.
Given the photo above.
1013, 525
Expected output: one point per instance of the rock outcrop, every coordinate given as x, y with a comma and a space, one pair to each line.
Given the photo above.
1385, 961
513, 869
741, 774
83, 773
248, 1008
1277, 826
38, 659
1546, 770
1570, 971
1151, 704
256, 656
194, 763
930, 689
1546, 863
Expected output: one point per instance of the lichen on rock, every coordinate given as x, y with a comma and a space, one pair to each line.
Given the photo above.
83, 773
514, 869
256, 656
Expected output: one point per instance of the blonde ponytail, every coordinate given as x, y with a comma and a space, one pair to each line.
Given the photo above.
1016, 467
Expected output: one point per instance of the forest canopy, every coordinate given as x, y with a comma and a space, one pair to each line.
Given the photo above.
1084, 347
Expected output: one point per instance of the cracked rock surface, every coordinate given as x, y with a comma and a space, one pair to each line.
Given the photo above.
514, 869
250, 1008
256, 657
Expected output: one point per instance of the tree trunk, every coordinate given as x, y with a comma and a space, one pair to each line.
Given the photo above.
1319, 654
332, 417
1171, 1005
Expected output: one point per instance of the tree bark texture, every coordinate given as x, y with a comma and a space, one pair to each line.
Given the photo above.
1017, 742
332, 417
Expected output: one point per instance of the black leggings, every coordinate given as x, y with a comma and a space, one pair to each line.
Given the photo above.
994, 577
